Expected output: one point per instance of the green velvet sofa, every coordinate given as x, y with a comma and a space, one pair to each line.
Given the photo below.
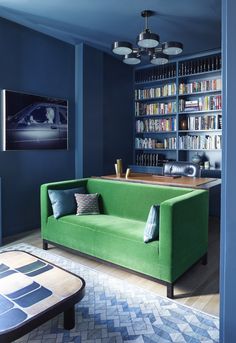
116, 235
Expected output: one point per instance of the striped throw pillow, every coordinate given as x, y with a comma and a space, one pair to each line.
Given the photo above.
151, 231
87, 204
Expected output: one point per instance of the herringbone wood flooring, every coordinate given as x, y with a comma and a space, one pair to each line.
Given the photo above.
198, 288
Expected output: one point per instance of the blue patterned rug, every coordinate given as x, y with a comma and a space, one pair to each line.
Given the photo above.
116, 311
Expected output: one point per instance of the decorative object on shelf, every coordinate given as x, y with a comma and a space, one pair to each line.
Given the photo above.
148, 44
183, 124
119, 167
196, 159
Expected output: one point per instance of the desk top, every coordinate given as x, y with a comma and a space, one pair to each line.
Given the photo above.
182, 181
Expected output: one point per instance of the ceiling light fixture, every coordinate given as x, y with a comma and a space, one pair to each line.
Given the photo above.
158, 58
148, 44
122, 48
132, 58
172, 48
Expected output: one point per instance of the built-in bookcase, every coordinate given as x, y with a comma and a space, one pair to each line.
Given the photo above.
178, 112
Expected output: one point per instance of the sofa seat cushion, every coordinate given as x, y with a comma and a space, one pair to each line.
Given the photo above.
112, 225
110, 238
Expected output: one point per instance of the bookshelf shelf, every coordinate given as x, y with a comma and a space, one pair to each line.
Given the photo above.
199, 112
200, 131
155, 133
155, 115
200, 150
157, 98
200, 74
200, 93
156, 81
176, 88
156, 149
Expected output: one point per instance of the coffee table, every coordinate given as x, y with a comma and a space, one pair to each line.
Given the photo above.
32, 291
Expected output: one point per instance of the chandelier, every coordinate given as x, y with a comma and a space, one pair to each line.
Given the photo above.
148, 44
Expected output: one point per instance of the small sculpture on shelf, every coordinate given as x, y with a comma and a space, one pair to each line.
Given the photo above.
183, 125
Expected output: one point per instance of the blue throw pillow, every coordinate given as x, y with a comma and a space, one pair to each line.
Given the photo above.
151, 231
63, 200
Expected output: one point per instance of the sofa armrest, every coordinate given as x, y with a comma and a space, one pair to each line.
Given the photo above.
183, 231
46, 208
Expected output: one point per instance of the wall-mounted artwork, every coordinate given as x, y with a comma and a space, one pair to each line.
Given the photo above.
34, 122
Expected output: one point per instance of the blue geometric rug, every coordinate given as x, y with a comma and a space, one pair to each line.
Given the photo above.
116, 311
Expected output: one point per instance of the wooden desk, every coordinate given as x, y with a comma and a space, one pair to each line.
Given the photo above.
183, 181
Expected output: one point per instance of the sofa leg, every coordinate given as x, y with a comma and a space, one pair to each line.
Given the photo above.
45, 245
170, 290
204, 259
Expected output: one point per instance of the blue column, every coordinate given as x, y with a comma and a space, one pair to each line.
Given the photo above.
89, 111
79, 103
0, 211
228, 210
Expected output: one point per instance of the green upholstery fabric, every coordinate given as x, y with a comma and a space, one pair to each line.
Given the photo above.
116, 226
131, 200
117, 234
111, 238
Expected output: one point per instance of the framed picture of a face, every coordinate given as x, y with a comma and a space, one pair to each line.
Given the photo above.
34, 122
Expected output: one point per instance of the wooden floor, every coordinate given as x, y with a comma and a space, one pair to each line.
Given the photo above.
198, 288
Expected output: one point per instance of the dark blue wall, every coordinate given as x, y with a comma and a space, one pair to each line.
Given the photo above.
118, 113
99, 91
228, 222
35, 63
104, 107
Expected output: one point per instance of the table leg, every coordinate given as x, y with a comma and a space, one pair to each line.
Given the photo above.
69, 318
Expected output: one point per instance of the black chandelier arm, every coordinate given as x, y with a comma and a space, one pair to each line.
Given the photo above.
146, 23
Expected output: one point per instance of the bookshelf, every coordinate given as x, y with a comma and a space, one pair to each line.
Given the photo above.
178, 113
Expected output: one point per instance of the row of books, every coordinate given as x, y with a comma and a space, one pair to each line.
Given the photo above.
200, 86
202, 142
149, 143
156, 125
147, 159
155, 73
204, 122
155, 92
142, 109
200, 65
205, 103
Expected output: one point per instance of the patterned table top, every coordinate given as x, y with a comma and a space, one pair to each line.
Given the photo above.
30, 286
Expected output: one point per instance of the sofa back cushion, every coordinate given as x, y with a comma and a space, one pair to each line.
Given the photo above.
131, 200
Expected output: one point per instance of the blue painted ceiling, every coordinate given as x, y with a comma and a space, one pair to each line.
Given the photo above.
195, 23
